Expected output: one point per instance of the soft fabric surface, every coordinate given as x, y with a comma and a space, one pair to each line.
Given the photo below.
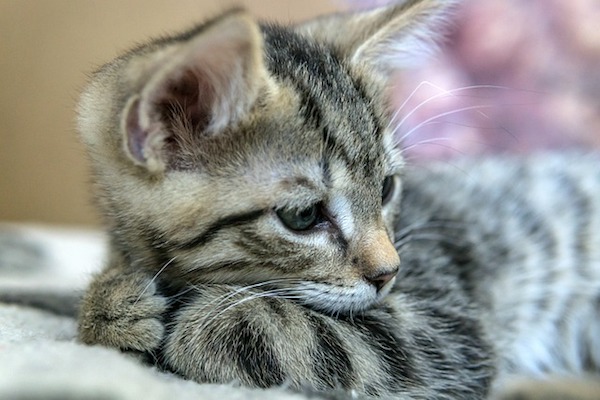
45, 269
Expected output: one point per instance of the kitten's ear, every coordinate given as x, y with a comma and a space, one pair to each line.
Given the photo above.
201, 87
385, 39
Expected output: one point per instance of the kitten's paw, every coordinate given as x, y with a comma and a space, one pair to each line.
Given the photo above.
123, 310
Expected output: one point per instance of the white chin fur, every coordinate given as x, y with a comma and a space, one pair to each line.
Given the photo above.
338, 299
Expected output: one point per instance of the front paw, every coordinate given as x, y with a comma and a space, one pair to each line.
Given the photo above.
123, 310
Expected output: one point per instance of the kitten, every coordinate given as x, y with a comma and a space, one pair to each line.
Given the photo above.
265, 229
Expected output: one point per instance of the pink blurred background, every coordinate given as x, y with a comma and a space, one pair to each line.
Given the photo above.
530, 77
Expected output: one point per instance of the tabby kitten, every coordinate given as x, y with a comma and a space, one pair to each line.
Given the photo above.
265, 230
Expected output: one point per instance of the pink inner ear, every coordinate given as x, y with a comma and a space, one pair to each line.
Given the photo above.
185, 101
177, 109
136, 135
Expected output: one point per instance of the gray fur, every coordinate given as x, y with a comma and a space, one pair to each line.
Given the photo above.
200, 142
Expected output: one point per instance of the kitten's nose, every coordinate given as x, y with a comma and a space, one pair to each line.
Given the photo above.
381, 279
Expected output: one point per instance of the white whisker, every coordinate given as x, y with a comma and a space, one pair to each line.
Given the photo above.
153, 279
442, 94
430, 225
253, 296
434, 142
441, 115
408, 98
423, 236
221, 299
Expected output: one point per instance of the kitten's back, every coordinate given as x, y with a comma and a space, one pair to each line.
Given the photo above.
528, 246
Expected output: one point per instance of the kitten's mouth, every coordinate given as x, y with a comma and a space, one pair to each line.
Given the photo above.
386, 288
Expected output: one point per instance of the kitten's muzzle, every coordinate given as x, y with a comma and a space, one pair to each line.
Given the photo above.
377, 259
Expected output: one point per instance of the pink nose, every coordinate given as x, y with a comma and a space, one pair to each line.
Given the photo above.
381, 279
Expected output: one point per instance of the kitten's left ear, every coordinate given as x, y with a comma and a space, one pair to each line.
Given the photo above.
196, 88
385, 39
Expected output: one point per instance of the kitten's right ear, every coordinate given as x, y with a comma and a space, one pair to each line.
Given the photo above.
204, 85
385, 39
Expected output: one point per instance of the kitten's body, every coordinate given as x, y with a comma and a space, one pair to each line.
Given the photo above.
522, 236
212, 150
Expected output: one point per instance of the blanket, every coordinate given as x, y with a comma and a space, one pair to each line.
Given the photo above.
43, 271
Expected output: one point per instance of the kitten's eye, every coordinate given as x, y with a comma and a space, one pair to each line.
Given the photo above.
388, 189
299, 220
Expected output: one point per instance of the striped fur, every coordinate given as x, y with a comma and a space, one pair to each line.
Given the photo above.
201, 142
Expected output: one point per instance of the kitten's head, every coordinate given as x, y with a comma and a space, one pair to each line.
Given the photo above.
259, 155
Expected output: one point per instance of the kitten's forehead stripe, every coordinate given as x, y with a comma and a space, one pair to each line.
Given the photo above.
332, 100
332, 147
310, 106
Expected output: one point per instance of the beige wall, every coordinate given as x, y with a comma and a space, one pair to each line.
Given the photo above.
46, 48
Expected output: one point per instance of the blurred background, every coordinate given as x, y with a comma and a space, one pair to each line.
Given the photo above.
528, 69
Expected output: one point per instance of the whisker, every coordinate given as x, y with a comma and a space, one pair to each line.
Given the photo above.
408, 98
253, 296
153, 279
438, 116
444, 92
424, 237
431, 224
227, 296
284, 293
182, 292
434, 142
